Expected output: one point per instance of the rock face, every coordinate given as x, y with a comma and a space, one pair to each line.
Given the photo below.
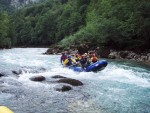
123, 54
54, 50
104, 52
38, 78
70, 81
21, 3
130, 55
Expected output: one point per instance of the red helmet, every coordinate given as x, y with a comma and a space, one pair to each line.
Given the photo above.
76, 55
82, 56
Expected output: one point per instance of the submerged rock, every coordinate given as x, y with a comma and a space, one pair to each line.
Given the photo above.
38, 78
58, 76
1, 74
64, 88
17, 72
70, 81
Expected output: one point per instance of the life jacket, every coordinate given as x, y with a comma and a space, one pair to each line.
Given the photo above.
68, 62
94, 59
77, 59
83, 61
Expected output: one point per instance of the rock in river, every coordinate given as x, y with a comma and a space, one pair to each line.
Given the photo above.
58, 76
38, 78
70, 81
64, 88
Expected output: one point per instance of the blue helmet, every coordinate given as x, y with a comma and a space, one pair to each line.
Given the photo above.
69, 56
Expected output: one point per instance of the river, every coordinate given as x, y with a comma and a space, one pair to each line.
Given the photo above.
122, 87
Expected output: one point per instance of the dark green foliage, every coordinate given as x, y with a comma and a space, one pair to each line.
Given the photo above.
116, 24
4, 30
5, 6
46, 23
111, 23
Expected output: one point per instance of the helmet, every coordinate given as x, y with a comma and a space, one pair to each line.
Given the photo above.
82, 56
76, 55
85, 54
69, 56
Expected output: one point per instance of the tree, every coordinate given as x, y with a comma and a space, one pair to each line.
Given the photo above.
4, 29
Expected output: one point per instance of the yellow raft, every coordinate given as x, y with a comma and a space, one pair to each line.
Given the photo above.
4, 109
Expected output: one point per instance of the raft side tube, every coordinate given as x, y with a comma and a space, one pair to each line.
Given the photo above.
97, 66
78, 69
4, 109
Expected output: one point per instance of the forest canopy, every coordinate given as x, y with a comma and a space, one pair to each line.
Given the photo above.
109, 23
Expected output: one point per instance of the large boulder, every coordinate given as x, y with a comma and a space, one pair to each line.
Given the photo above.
64, 88
57, 76
148, 58
123, 54
38, 78
50, 51
113, 55
55, 49
70, 81
144, 58
137, 57
131, 56
148, 54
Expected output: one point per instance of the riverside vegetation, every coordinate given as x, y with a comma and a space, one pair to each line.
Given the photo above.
119, 25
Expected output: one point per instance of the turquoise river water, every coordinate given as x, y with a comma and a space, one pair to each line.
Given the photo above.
122, 87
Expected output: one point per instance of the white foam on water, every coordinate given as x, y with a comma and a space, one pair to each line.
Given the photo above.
25, 80
34, 57
129, 76
24, 56
113, 73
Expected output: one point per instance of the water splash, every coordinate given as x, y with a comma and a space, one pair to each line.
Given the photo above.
120, 87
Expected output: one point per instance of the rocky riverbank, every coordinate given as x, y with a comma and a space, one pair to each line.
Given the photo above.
103, 52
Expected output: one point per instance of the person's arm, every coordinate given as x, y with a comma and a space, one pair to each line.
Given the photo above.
73, 61
91, 59
97, 58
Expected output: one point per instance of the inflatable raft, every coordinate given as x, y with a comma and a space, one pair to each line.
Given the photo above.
98, 66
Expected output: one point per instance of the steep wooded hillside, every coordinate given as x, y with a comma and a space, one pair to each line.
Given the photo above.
114, 24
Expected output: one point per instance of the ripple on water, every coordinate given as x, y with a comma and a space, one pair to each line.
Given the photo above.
119, 88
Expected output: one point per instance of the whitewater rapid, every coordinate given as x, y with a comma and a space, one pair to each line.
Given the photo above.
123, 86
